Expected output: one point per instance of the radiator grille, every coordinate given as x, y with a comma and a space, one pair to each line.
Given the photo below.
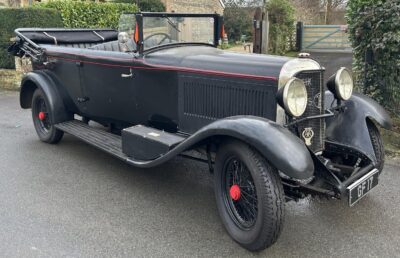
316, 106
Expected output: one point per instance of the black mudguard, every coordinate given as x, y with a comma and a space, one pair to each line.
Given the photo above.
277, 144
40, 79
349, 128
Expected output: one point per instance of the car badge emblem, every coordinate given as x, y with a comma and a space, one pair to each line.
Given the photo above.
308, 134
317, 101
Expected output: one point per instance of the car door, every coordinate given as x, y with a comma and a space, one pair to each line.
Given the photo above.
109, 85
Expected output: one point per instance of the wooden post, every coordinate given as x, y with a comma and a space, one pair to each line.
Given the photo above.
265, 34
257, 31
260, 32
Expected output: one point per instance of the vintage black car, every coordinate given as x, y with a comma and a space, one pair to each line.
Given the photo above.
268, 126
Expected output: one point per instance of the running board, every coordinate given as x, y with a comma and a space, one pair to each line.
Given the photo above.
139, 145
96, 137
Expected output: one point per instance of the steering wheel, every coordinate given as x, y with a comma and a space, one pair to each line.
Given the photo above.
166, 36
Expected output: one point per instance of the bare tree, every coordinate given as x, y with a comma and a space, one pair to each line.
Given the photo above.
317, 11
330, 7
307, 11
14, 3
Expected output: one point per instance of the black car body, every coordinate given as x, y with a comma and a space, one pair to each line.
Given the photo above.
237, 112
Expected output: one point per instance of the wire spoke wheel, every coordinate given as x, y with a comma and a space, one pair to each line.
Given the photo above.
240, 193
249, 195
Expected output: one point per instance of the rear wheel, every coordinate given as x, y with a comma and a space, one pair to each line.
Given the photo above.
249, 196
41, 115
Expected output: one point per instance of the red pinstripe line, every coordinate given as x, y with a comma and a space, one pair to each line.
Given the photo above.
170, 68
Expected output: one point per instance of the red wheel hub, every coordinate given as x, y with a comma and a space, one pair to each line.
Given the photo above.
42, 116
235, 192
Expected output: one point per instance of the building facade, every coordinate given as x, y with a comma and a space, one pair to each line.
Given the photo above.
194, 6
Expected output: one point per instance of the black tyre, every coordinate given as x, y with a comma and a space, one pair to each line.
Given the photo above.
249, 196
377, 144
42, 119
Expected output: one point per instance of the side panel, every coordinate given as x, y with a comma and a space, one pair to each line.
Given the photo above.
157, 102
107, 85
68, 74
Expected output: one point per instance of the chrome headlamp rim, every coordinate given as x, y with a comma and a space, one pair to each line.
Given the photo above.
285, 97
338, 92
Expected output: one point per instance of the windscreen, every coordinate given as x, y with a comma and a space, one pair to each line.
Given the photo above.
159, 31
127, 23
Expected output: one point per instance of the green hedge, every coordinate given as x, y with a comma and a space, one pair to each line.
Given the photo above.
145, 5
374, 26
238, 21
78, 14
281, 22
13, 18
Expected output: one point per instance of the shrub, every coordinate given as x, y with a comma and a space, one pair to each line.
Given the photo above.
281, 19
13, 18
238, 21
79, 14
374, 26
145, 5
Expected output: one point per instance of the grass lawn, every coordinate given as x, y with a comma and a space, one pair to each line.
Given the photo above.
292, 54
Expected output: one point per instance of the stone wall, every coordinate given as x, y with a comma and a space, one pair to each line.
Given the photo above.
194, 6
10, 79
14, 3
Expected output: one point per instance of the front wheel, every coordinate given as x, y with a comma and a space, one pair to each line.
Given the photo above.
249, 195
377, 145
41, 115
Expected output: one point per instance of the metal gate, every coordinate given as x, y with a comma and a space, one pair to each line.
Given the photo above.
324, 37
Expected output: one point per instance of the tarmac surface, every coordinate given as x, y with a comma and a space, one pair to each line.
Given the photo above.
72, 200
332, 61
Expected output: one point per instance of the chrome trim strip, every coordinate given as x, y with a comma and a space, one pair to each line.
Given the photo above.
98, 35
54, 38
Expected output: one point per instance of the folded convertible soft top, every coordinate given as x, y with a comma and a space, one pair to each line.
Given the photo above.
68, 36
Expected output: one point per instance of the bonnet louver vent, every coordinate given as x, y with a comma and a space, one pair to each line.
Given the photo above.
204, 100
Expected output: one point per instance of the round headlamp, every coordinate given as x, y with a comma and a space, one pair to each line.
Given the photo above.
341, 84
293, 97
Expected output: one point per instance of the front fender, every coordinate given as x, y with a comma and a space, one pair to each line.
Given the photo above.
349, 128
41, 80
278, 145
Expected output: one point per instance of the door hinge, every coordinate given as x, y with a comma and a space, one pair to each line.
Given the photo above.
82, 99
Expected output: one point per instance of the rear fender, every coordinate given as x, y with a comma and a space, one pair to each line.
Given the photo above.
41, 80
349, 128
280, 147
